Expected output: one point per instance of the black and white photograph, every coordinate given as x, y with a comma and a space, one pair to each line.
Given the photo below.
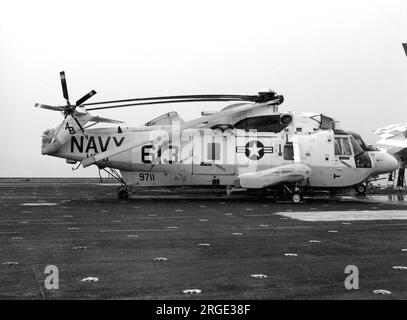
203, 155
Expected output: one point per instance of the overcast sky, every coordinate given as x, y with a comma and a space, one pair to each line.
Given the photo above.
341, 58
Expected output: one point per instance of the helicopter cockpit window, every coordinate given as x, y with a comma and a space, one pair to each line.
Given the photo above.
342, 146
346, 150
338, 148
262, 124
358, 139
356, 146
363, 160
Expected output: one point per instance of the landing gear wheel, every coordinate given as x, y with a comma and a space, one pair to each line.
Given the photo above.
361, 189
296, 197
123, 194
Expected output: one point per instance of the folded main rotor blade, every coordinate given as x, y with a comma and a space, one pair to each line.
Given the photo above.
161, 102
182, 97
85, 97
44, 106
64, 86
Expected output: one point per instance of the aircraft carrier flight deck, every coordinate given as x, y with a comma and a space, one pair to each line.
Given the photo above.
167, 244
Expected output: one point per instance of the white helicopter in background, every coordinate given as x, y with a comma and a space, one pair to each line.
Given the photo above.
247, 145
393, 138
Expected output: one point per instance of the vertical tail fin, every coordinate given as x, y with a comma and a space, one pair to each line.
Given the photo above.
53, 139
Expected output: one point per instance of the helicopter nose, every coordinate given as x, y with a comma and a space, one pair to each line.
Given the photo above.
385, 163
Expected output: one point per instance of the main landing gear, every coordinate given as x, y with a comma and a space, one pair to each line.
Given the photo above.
123, 193
295, 194
296, 197
124, 189
361, 189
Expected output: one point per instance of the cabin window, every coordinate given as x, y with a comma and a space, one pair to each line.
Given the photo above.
213, 151
262, 124
288, 152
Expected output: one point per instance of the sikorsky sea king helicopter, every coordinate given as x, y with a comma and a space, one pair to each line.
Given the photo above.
246, 145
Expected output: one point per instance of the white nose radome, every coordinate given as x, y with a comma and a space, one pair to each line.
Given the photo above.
384, 162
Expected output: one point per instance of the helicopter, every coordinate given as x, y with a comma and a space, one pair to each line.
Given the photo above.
393, 139
248, 145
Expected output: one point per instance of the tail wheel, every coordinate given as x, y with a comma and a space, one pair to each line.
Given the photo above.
123, 194
361, 189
